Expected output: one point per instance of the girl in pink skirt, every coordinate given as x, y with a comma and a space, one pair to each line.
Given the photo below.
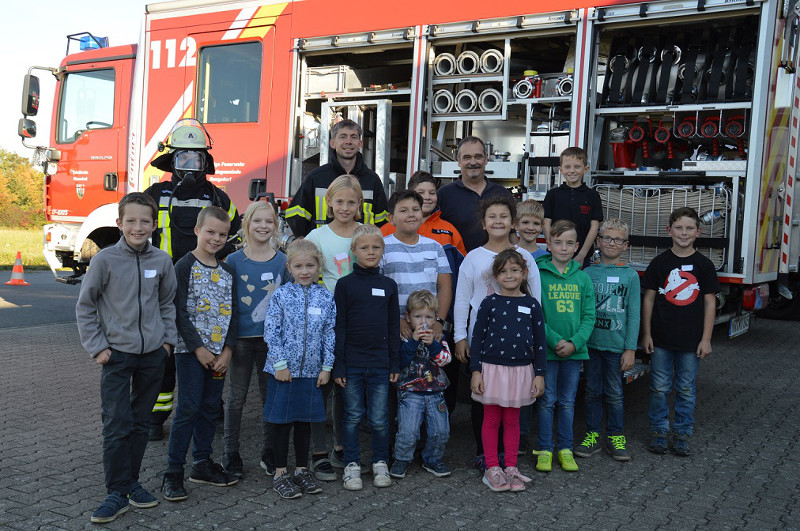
508, 361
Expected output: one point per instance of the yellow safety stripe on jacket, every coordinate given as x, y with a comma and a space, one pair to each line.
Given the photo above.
369, 217
231, 211
297, 210
164, 402
381, 217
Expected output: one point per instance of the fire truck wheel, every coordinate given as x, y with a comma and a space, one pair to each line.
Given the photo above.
88, 250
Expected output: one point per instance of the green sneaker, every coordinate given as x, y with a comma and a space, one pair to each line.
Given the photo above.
589, 446
567, 461
615, 445
544, 460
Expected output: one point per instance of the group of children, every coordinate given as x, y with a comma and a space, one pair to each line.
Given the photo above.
371, 337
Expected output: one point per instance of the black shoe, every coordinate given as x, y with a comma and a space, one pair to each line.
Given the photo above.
155, 432
232, 463
172, 486
210, 473
268, 462
285, 487
306, 481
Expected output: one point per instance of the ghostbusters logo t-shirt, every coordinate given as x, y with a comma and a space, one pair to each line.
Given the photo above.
680, 285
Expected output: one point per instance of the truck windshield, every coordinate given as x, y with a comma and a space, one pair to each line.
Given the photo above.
229, 83
87, 102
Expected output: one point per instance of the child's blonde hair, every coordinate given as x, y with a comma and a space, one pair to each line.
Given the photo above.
530, 207
345, 182
301, 247
561, 226
422, 299
614, 224
248, 217
362, 231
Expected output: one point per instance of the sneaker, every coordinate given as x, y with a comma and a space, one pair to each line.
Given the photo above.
337, 458
615, 445
495, 479
268, 463
515, 479
680, 446
113, 506
155, 432
306, 481
399, 469
480, 463
567, 461
524, 446
440, 470
589, 446
172, 486
140, 498
544, 460
380, 474
323, 470
285, 487
658, 442
208, 472
232, 463
352, 477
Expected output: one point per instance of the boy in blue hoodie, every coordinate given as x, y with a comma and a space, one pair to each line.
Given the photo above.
612, 345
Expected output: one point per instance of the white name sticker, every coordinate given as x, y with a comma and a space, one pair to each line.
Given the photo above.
150, 273
378, 292
266, 276
612, 280
340, 256
524, 309
315, 311
687, 267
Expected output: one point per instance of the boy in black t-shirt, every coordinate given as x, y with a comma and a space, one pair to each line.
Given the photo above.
576, 202
678, 311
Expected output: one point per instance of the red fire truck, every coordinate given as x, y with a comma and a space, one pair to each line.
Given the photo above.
677, 102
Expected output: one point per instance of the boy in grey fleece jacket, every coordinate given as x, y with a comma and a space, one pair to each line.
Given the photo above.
126, 321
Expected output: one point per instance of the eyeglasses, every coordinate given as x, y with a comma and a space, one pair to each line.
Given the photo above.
609, 239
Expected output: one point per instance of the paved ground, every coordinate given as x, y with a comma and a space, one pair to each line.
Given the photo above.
745, 472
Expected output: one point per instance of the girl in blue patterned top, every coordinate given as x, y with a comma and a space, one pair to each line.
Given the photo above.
508, 360
259, 270
299, 332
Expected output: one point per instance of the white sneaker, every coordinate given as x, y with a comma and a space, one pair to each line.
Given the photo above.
352, 477
380, 474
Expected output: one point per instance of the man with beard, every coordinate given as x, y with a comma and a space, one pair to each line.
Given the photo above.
179, 201
458, 201
308, 210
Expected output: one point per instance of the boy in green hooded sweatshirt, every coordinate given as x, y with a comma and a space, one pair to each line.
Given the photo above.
612, 346
569, 315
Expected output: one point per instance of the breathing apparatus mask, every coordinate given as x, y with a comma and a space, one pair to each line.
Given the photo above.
189, 165
188, 158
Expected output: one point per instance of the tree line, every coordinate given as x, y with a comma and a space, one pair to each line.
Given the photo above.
21, 192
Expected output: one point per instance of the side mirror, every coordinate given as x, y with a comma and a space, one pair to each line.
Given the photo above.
26, 128
30, 96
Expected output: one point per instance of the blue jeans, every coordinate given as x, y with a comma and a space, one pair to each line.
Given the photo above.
412, 409
663, 365
199, 394
367, 391
603, 379
525, 418
560, 388
129, 385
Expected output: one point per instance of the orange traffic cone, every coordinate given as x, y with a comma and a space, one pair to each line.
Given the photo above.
17, 274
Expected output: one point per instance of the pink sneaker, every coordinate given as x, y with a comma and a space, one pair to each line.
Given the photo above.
495, 479
515, 479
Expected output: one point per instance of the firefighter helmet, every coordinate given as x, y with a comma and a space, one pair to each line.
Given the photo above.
187, 133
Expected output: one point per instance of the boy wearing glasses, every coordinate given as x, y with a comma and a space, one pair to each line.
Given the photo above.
612, 345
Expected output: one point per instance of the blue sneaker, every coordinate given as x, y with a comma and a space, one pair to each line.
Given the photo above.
399, 469
440, 470
113, 506
480, 463
658, 442
140, 498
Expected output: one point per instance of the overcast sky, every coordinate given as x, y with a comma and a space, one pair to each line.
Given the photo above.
35, 33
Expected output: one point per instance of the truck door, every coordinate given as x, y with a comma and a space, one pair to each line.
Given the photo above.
91, 125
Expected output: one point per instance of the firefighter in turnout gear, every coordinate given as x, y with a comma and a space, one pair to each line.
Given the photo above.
180, 200
308, 209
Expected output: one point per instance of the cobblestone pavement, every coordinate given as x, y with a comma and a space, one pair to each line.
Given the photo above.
744, 472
